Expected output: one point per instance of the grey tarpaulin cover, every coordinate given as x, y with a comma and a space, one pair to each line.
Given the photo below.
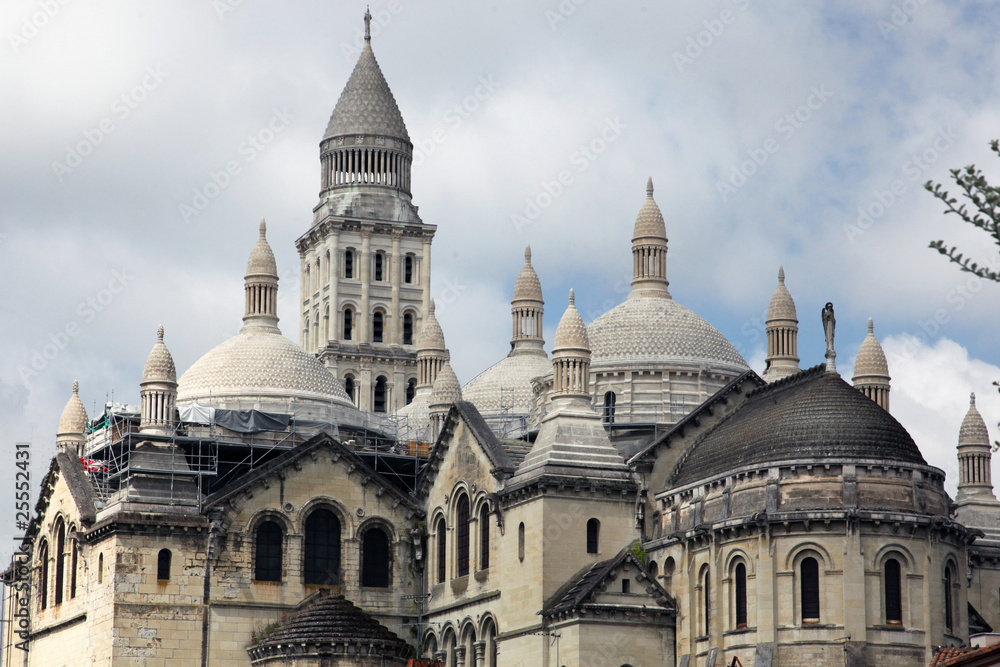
196, 414
251, 421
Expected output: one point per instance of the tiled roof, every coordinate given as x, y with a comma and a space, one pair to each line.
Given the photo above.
159, 364
973, 431
871, 358
781, 307
366, 105
956, 656
511, 375
74, 415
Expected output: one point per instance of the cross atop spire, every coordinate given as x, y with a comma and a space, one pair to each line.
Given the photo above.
368, 24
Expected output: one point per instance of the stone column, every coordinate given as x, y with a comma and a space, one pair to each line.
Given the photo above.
395, 319
334, 246
441, 656
459, 656
479, 658
364, 334
425, 275
364, 387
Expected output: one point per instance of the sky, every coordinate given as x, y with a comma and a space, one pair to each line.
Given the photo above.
144, 141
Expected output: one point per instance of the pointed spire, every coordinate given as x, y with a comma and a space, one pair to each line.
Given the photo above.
649, 250
261, 285
432, 352
527, 309
871, 370
159, 364
72, 423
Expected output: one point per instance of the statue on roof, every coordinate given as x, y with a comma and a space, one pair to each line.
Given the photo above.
829, 324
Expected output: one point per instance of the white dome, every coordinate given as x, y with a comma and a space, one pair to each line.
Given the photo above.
256, 364
513, 376
659, 331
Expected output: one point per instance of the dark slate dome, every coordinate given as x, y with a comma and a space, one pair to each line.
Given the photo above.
810, 415
330, 623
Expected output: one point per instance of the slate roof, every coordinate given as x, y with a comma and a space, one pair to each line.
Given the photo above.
813, 414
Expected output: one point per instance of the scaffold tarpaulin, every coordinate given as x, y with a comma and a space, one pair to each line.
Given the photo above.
251, 421
196, 414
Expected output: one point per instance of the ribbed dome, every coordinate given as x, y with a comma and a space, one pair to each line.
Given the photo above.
813, 415
973, 431
871, 357
527, 287
781, 307
159, 364
507, 384
261, 260
446, 389
431, 336
571, 333
332, 619
260, 363
366, 105
649, 222
659, 331
74, 416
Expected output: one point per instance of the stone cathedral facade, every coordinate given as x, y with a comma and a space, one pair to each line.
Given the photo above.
636, 496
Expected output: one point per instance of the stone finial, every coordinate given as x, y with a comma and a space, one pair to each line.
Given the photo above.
781, 275
159, 334
263, 228
572, 297
368, 24
649, 187
76, 389
972, 396
527, 253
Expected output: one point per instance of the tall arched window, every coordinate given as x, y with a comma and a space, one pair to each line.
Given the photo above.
407, 329
442, 544
74, 562
609, 407
380, 395
408, 269
462, 535
654, 569
60, 560
949, 612
270, 545
668, 573
375, 559
741, 596
484, 537
593, 536
163, 565
706, 582
43, 580
411, 390
809, 590
893, 593
349, 387
490, 640
348, 323
349, 264
322, 557
100, 569
378, 325
520, 542
379, 263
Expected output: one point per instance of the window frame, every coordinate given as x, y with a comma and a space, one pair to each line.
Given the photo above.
322, 559
273, 552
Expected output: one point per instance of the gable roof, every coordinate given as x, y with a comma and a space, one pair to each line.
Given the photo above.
464, 411
80, 489
288, 458
583, 587
693, 417
966, 656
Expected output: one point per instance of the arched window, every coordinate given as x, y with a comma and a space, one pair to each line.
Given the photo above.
462, 531
74, 561
490, 640
348, 323
163, 565
375, 559
411, 390
741, 596
609, 407
706, 591
407, 329
949, 612
349, 387
668, 573
809, 590
322, 561
379, 262
60, 560
408, 269
270, 545
377, 326
893, 593
100, 569
654, 570
520, 542
442, 544
380, 392
593, 536
484, 537
43, 580
349, 264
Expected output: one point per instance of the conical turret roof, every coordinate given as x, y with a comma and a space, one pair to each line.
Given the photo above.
366, 105
527, 287
973, 431
446, 389
431, 336
261, 262
782, 307
571, 332
74, 416
871, 357
649, 222
159, 364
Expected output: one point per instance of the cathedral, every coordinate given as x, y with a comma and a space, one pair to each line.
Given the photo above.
636, 497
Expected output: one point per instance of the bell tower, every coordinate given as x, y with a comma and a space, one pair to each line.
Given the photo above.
366, 261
